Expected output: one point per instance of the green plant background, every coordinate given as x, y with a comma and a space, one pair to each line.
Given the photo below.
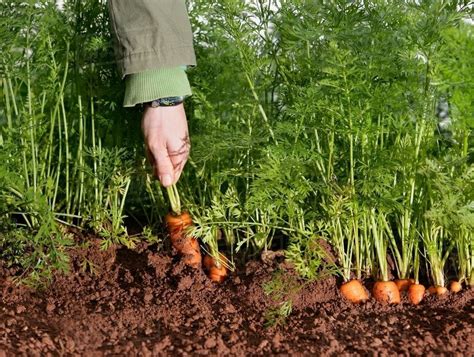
309, 120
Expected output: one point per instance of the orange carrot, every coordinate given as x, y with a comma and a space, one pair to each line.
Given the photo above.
188, 247
354, 291
386, 292
455, 286
404, 284
416, 292
437, 290
216, 271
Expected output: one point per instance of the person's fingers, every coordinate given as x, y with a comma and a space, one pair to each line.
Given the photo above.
178, 151
162, 165
166, 136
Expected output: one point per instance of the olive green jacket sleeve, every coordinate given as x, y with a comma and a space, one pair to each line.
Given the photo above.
151, 34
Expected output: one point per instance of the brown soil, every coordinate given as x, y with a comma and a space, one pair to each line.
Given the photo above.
123, 302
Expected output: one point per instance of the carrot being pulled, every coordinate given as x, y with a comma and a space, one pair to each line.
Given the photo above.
178, 223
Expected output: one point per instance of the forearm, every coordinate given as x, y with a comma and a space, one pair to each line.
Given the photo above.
153, 46
151, 34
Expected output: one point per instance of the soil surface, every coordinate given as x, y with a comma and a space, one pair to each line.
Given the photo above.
140, 302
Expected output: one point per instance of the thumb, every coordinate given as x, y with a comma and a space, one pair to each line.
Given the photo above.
163, 166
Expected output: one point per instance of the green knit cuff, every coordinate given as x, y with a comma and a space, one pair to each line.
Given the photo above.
154, 84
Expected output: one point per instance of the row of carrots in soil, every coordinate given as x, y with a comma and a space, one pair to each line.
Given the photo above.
383, 291
390, 291
354, 291
217, 266
434, 243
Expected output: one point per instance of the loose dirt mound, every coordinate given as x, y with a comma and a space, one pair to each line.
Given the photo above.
140, 302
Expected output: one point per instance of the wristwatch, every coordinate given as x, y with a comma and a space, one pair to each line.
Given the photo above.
166, 102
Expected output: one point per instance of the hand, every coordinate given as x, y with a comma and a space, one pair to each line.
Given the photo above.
167, 141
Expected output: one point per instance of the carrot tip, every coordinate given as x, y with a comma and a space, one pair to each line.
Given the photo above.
215, 273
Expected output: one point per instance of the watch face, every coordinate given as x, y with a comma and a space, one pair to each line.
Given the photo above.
167, 102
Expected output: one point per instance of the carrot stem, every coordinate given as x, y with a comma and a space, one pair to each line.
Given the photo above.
416, 265
173, 196
380, 228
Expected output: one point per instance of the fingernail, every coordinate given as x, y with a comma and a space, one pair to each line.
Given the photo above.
166, 180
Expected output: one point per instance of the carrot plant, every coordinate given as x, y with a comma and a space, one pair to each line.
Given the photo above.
437, 248
56, 154
449, 222
342, 120
465, 256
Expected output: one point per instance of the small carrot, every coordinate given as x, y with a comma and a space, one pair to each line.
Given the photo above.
404, 284
437, 290
416, 292
188, 247
216, 271
455, 286
354, 291
386, 292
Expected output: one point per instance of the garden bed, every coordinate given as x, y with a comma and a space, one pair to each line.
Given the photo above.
124, 302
